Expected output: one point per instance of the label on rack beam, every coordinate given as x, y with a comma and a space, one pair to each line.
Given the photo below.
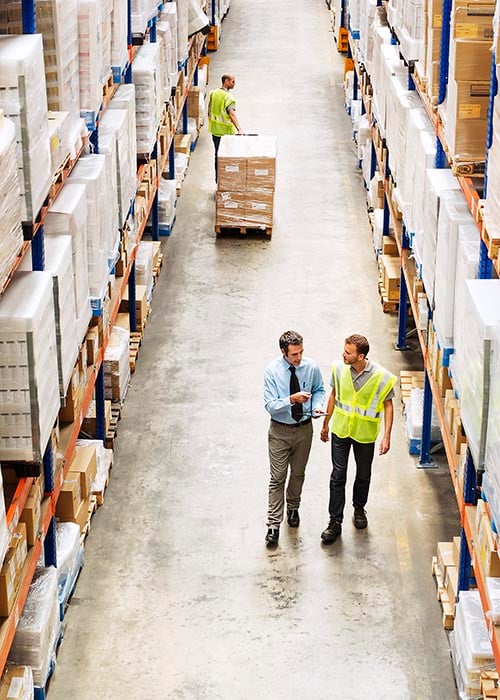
438, 21
466, 31
466, 111
15, 688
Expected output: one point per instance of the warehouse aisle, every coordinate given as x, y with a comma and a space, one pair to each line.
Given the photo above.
179, 598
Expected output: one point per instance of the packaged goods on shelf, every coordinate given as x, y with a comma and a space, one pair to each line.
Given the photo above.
372, 18
28, 364
471, 361
466, 268
492, 202
378, 230
400, 103
38, 628
90, 58
117, 364
60, 136
182, 31
167, 197
409, 20
116, 121
437, 182
433, 48
68, 215
147, 77
144, 266
493, 589
69, 558
168, 14
108, 146
465, 118
91, 171
164, 38
492, 459
17, 683
4, 530
104, 461
106, 38
470, 644
414, 414
355, 15
11, 234
196, 105
388, 67
124, 98
119, 52
23, 99
203, 78
181, 164
58, 261
142, 11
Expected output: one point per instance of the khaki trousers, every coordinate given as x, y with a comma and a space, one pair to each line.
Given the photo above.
288, 446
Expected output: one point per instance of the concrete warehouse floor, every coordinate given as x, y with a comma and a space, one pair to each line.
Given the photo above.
179, 597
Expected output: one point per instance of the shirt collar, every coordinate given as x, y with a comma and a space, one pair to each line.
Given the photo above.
367, 368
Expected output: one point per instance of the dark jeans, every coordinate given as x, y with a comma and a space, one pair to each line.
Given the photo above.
216, 140
363, 455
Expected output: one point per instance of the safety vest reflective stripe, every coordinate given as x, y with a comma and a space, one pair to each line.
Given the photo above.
218, 117
367, 412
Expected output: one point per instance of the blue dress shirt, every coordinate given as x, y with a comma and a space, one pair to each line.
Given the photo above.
277, 388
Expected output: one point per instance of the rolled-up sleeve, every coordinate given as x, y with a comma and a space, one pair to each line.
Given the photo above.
318, 390
273, 403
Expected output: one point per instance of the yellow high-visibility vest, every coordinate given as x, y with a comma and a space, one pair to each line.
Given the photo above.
357, 414
219, 122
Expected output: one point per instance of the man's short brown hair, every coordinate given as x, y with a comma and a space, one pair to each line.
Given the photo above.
361, 343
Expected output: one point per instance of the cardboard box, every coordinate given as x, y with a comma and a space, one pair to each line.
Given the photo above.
193, 100
471, 20
19, 545
123, 321
389, 246
444, 555
457, 543
31, 516
93, 345
74, 397
261, 172
391, 275
89, 422
141, 305
231, 174
458, 435
84, 467
82, 515
443, 380
259, 207
230, 208
10, 573
16, 683
70, 498
451, 583
182, 143
485, 549
470, 60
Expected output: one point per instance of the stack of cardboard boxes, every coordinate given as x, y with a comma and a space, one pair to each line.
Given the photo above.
245, 182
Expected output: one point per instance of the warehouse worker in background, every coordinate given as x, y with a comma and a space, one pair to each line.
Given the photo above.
222, 117
361, 392
293, 394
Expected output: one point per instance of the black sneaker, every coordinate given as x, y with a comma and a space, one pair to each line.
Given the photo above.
331, 533
293, 518
272, 537
359, 518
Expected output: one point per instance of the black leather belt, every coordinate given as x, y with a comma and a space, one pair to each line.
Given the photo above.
292, 425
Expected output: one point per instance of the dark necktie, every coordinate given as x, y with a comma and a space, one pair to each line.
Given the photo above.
297, 410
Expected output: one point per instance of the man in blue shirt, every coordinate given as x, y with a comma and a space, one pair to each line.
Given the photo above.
293, 394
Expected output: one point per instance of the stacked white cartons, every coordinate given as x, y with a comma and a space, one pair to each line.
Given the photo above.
355, 15
67, 215
492, 202
167, 197
144, 267
471, 362
453, 213
182, 32
56, 20
169, 14
91, 172
23, 98
116, 122
147, 96
11, 234
124, 98
38, 628
466, 269
470, 644
29, 393
370, 16
90, 59
106, 39
400, 102
60, 136
492, 460
412, 32
437, 182
141, 12
119, 51
386, 64
58, 261
164, 36
420, 155
4, 530
108, 146
69, 556
117, 364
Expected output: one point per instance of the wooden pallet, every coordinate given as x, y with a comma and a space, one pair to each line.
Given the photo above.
86, 528
442, 595
157, 268
492, 244
409, 380
243, 230
135, 344
99, 495
213, 39
116, 413
389, 306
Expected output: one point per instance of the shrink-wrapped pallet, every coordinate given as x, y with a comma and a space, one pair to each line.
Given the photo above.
144, 267
68, 216
492, 458
91, 172
169, 14
182, 31
453, 214
492, 202
167, 197
29, 393
11, 234
116, 121
471, 362
117, 364
58, 261
23, 99
400, 103
60, 138
148, 87
104, 458
141, 12
5, 535
119, 51
437, 182
470, 644
106, 38
124, 98
17, 683
91, 59
69, 559
38, 628
371, 17
108, 147
164, 35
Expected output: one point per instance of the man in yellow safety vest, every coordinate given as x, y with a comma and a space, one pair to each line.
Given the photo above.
362, 392
222, 117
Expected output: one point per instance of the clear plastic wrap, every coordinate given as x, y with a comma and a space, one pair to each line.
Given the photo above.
38, 627
90, 57
148, 81
414, 414
492, 202
29, 395
144, 267
11, 234
169, 14
492, 459
68, 215
17, 683
117, 364
104, 464
116, 121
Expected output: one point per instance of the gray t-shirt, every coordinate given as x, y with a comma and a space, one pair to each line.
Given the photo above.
360, 379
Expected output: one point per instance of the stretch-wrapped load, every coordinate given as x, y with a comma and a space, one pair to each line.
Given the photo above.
492, 460
29, 386
141, 12
169, 14
24, 100
68, 216
144, 267
38, 628
119, 52
147, 77
116, 121
182, 31
117, 364
11, 234
90, 56
91, 172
